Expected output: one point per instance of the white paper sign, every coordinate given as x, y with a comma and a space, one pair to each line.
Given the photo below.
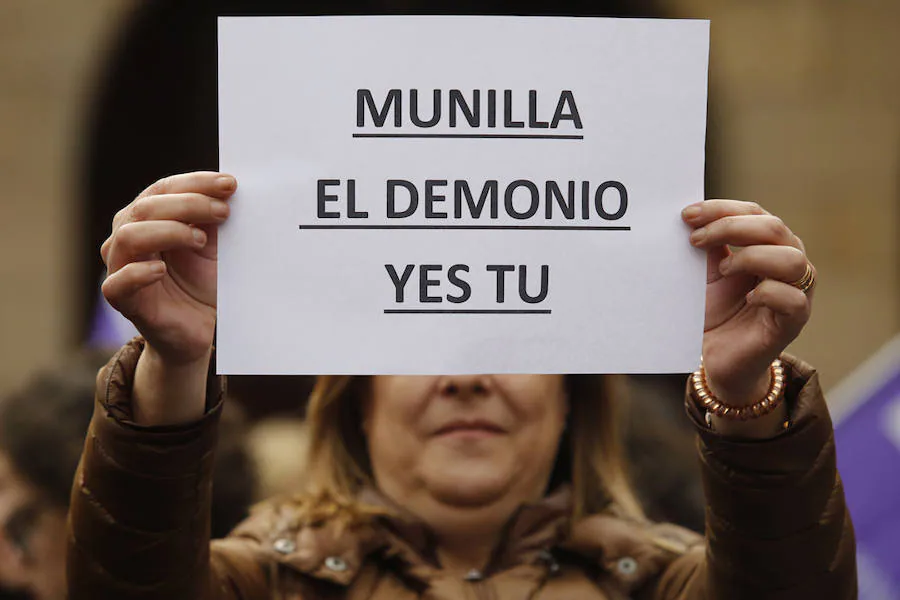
444, 195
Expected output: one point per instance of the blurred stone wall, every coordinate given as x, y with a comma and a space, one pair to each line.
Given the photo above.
48, 49
807, 104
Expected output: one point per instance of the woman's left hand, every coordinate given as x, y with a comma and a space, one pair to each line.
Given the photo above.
752, 310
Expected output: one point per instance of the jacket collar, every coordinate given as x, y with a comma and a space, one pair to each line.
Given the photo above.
532, 530
337, 552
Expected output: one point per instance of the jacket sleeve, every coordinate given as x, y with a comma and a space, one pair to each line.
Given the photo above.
777, 526
139, 517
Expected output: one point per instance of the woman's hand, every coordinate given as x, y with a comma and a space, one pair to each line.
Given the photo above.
161, 274
752, 310
161, 263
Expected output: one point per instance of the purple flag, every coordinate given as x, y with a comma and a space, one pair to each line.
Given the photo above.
868, 448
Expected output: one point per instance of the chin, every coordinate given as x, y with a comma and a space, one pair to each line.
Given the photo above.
471, 497
467, 487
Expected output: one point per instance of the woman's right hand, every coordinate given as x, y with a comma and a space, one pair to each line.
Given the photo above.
161, 263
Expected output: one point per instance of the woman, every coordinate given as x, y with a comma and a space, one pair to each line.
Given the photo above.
456, 487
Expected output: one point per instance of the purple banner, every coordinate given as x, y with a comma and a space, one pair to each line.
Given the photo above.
868, 448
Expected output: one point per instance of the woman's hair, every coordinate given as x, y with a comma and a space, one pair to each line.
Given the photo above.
589, 458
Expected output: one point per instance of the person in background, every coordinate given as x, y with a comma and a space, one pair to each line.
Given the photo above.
42, 432
42, 428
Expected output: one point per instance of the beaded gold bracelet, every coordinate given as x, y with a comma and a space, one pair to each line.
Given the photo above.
713, 406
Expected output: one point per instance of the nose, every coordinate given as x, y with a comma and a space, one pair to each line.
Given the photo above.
465, 386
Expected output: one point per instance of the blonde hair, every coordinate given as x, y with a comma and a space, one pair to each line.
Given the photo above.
590, 456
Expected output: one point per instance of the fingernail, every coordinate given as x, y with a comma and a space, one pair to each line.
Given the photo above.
698, 236
219, 210
691, 212
158, 268
725, 264
226, 183
199, 237
750, 295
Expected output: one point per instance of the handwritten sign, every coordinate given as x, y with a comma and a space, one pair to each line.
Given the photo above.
461, 194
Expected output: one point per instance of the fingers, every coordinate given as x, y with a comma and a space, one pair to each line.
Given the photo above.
134, 242
214, 186
784, 263
785, 300
194, 198
185, 207
209, 183
736, 223
120, 287
745, 230
704, 213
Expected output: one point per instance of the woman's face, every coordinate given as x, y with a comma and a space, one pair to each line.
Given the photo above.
464, 441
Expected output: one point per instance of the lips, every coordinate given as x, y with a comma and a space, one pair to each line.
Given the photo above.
470, 426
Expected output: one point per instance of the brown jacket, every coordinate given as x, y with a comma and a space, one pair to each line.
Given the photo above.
777, 527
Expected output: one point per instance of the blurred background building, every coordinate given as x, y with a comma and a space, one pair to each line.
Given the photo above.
805, 112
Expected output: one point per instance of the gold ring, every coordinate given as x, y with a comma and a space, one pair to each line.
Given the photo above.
806, 283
